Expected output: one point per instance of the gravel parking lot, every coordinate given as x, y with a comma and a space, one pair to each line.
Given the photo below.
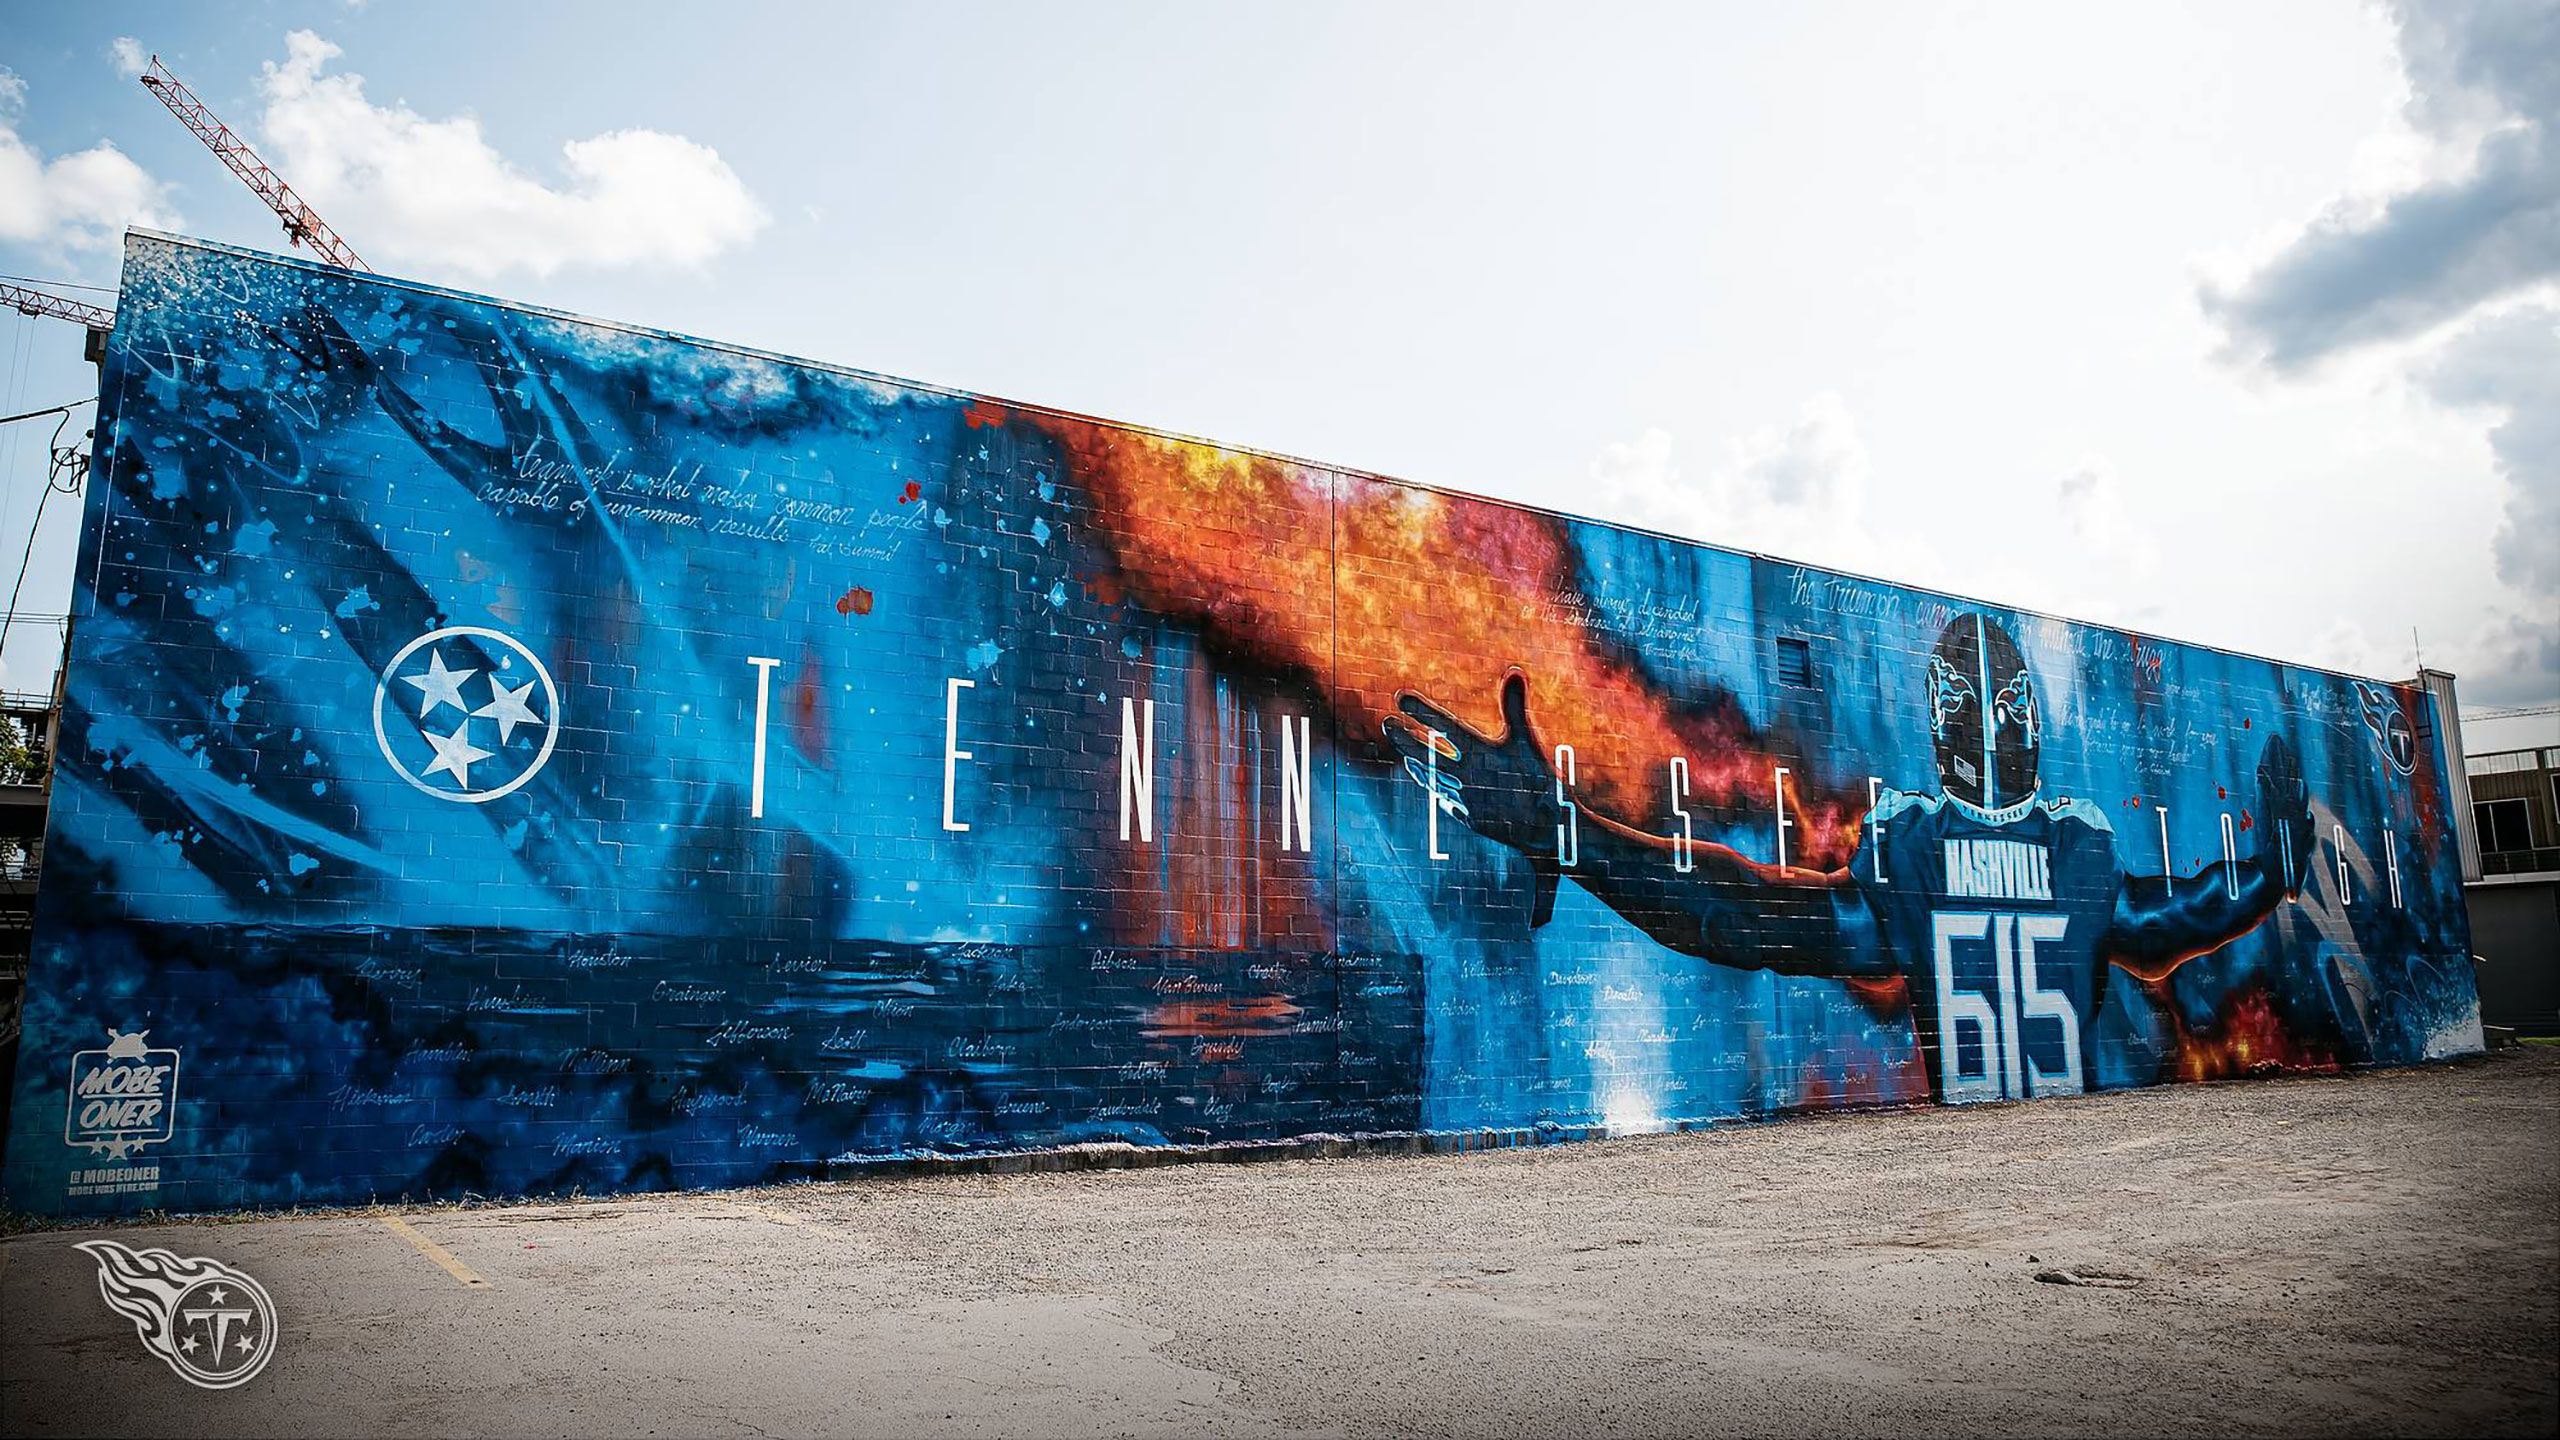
2377, 1254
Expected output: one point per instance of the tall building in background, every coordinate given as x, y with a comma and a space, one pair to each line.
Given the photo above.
2515, 899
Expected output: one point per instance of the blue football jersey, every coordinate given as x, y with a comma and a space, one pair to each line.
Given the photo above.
1996, 922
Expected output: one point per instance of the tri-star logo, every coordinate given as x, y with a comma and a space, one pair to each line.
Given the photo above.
466, 713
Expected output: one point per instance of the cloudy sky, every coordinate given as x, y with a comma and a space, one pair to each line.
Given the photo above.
2230, 323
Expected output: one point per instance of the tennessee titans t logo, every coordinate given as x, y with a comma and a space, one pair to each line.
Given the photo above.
210, 1324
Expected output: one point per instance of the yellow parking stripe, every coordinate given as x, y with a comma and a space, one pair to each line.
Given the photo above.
810, 1223
782, 1217
433, 1251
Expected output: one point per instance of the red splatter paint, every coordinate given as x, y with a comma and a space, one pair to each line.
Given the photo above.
2244, 723
2221, 794
2245, 821
856, 601
912, 494
985, 412
804, 709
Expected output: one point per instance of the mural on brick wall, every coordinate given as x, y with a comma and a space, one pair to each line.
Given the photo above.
506, 753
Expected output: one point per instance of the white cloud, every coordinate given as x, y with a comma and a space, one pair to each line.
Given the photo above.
80, 201
417, 193
2469, 251
2511, 659
1797, 492
2509, 364
2506, 363
2093, 506
2344, 645
2482, 222
129, 57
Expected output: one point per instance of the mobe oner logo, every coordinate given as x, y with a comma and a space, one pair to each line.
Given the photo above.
123, 1097
211, 1324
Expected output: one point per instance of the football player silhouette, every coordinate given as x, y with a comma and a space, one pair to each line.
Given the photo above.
2001, 908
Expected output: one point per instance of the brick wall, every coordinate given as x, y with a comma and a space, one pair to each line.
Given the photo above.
508, 753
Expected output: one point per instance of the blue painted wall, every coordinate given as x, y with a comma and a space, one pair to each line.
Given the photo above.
506, 752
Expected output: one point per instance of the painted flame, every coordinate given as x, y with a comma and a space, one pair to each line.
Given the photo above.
1432, 594
2247, 1038
144, 1285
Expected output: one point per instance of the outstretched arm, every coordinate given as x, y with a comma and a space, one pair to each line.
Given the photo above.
1719, 905
2161, 924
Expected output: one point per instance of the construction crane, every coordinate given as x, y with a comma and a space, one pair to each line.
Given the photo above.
301, 222
44, 304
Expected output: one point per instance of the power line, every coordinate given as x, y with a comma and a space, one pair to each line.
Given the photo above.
59, 284
50, 410
2514, 712
20, 336
59, 462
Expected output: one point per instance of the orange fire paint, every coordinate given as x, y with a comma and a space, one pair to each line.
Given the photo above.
1433, 594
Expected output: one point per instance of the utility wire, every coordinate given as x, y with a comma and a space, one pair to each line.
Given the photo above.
59, 284
57, 463
16, 395
51, 410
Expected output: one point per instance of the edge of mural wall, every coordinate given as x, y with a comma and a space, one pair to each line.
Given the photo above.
506, 753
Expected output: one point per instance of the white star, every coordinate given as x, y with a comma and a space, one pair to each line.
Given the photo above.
247, 1343
440, 686
220, 1294
188, 1344
507, 707
455, 752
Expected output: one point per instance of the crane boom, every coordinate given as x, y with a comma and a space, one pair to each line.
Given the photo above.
301, 222
39, 302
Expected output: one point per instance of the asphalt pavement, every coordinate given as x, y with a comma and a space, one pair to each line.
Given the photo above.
2370, 1254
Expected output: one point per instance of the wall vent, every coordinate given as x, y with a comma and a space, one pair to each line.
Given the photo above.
1795, 662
